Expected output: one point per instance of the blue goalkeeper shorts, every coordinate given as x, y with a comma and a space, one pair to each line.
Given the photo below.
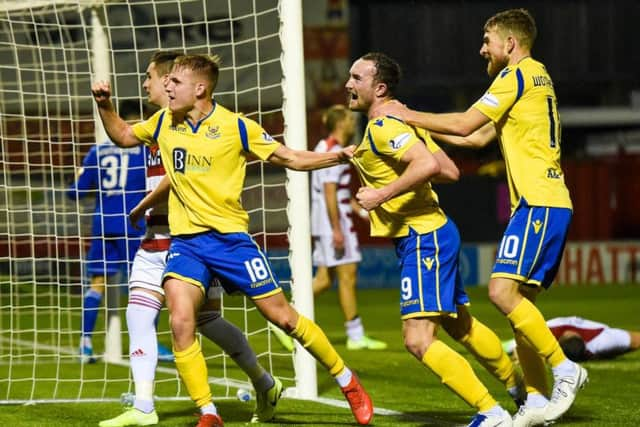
110, 255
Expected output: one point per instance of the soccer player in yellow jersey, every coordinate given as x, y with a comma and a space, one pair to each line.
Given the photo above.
520, 109
146, 296
395, 163
205, 149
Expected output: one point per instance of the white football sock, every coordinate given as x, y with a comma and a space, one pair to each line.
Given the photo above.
142, 311
344, 378
355, 329
565, 369
536, 400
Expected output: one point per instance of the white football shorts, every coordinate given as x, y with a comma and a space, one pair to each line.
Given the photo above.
147, 270
324, 255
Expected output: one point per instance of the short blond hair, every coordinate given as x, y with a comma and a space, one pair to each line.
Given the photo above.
206, 65
519, 22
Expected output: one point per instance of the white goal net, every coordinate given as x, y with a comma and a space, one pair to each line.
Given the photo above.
50, 51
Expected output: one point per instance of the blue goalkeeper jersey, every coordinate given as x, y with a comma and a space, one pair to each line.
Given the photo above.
116, 177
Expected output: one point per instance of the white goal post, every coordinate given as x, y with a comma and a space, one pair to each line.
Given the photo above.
50, 51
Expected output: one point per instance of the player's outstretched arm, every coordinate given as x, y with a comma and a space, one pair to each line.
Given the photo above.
158, 195
477, 139
303, 160
119, 131
460, 124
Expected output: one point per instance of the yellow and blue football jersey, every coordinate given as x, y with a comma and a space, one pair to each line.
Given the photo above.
521, 102
377, 160
206, 162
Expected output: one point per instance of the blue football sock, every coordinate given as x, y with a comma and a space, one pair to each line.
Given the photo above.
92, 300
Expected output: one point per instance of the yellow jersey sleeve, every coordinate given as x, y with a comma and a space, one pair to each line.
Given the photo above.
522, 104
148, 130
378, 161
501, 95
425, 136
391, 137
255, 139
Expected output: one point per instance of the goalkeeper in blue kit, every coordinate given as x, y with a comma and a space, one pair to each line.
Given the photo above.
116, 178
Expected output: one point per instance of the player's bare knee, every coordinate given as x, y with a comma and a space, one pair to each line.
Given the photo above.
495, 293
417, 346
348, 282
182, 324
320, 285
503, 295
286, 321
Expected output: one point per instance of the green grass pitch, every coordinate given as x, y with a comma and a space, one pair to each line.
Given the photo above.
399, 383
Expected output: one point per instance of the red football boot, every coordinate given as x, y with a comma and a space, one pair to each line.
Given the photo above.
359, 401
210, 420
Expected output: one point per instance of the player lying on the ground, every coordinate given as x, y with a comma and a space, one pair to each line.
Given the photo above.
583, 339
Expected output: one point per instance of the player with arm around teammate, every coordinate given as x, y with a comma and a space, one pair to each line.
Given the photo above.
520, 110
146, 295
209, 227
396, 163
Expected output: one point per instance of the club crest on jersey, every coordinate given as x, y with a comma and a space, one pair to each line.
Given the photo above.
397, 142
213, 132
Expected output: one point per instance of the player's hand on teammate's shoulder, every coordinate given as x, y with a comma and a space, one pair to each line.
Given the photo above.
101, 91
393, 108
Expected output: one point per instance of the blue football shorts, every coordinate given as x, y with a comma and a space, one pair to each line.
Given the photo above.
430, 283
532, 245
233, 258
111, 254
